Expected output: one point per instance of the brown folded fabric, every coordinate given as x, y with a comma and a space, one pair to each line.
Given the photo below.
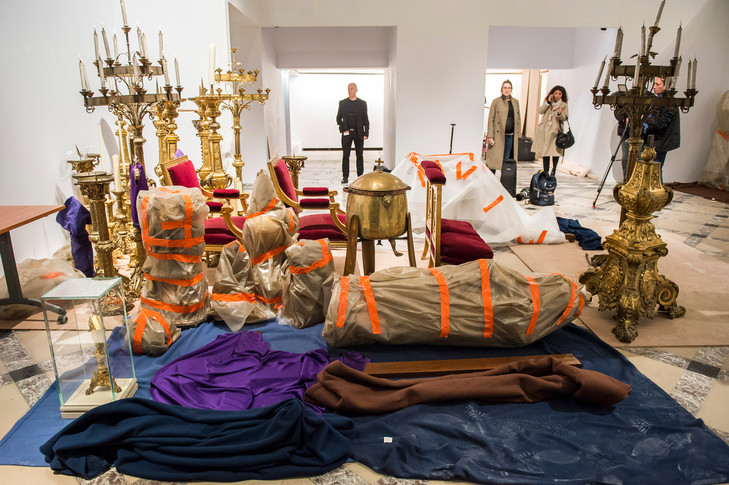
345, 389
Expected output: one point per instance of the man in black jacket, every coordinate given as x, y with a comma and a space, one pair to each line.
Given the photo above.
354, 125
664, 124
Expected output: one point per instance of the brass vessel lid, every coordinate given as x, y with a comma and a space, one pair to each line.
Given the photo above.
377, 181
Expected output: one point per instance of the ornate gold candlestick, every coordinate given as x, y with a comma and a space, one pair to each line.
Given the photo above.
628, 279
211, 173
95, 186
295, 164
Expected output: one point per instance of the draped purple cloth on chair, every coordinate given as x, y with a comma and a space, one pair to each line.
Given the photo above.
136, 186
74, 219
239, 371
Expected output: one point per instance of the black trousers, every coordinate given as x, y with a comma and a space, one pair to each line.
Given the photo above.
347, 148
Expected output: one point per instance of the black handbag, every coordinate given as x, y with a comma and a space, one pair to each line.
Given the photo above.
565, 139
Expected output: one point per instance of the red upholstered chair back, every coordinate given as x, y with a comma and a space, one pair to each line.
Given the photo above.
284, 180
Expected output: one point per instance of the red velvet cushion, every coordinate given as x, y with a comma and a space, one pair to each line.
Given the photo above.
184, 174
216, 225
460, 227
460, 248
284, 180
226, 193
318, 226
428, 164
315, 191
314, 203
435, 175
221, 238
214, 206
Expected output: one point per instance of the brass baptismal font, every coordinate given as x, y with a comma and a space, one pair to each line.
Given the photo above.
628, 279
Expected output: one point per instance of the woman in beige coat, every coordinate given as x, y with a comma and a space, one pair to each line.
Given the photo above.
504, 128
554, 112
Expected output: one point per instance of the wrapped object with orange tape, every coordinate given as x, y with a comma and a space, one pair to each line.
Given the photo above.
268, 231
310, 266
234, 298
173, 227
151, 334
478, 304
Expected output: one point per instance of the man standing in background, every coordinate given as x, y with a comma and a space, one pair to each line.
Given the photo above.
354, 125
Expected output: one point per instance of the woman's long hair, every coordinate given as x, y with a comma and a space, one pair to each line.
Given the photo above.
557, 88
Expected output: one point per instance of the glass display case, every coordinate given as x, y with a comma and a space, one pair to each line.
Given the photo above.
91, 356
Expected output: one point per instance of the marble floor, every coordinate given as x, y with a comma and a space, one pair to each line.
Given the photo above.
697, 377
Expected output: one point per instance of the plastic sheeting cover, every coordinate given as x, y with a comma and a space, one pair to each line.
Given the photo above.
716, 169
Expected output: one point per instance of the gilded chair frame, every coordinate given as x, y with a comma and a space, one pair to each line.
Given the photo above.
433, 203
333, 208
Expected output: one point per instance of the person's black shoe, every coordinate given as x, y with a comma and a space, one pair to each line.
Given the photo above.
344, 181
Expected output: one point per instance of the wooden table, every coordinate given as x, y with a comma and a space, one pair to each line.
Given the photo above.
12, 216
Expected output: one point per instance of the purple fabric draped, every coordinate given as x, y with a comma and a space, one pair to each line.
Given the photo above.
136, 186
239, 371
74, 219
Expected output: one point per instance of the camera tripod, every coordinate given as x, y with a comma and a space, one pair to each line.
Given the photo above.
610, 165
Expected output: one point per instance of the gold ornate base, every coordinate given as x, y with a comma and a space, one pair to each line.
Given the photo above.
628, 278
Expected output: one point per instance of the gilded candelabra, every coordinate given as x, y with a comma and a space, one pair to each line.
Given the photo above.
628, 279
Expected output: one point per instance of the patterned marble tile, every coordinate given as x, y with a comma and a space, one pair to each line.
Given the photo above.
341, 476
5, 379
13, 354
691, 390
661, 356
110, 477
33, 388
715, 356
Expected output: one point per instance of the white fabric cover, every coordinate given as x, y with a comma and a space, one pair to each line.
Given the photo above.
716, 169
470, 188
411, 306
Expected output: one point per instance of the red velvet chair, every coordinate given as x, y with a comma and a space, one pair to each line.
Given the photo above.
447, 241
221, 229
331, 224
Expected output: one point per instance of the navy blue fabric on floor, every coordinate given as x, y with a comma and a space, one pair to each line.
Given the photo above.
159, 441
647, 438
587, 238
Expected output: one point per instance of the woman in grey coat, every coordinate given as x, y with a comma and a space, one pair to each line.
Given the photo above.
554, 112
503, 129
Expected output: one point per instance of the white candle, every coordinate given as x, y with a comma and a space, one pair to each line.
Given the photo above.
124, 13
135, 69
102, 150
212, 65
688, 74
620, 43
144, 45
96, 45
678, 41
116, 48
106, 42
117, 173
607, 74
139, 39
84, 79
599, 72
165, 72
161, 43
693, 76
642, 41
177, 73
636, 76
101, 72
678, 70
660, 11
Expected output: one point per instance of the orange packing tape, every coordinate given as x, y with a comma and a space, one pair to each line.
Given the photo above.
493, 204
573, 296
534, 289
269, 301
364, 283
724, 135
183, 258
343, 296
234, 297
144, 314
159, 305
189, 282
270, 206
326, 257
269, 254
488, 304
444, 302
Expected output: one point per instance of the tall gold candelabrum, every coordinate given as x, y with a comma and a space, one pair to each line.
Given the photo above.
628, 279
211, 174
165, 114
234, 81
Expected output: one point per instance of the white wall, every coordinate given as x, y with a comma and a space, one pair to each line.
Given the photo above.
45, 116
314, 101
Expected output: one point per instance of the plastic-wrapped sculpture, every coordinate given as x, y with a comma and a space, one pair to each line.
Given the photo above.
172, 220
716, 169
477, 304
